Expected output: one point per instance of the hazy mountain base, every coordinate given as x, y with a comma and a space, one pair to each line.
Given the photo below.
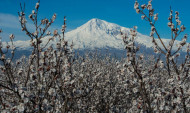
101, 53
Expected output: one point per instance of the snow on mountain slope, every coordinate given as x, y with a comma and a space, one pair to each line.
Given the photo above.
97, 33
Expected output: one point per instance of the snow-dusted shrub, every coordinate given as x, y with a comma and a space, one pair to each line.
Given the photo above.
36, 83
163, 86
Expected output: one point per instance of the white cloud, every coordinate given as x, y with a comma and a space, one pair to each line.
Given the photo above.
10, 24
9, 21
12, 21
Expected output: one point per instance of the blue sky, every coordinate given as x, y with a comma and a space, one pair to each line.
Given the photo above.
79, 12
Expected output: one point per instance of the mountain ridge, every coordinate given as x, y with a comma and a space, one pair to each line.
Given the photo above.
97, 33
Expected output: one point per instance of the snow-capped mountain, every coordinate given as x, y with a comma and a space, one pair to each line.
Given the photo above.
97, 33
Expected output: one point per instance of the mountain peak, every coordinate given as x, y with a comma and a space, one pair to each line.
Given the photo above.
95, 22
